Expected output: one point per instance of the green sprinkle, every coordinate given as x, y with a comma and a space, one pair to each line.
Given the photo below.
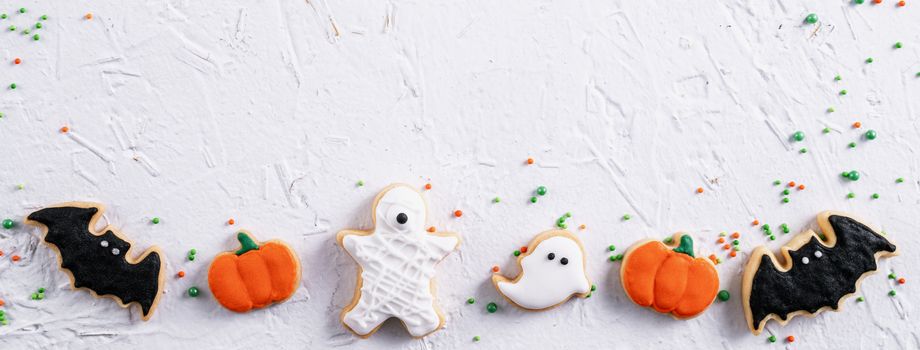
41, 290
533, 199
13, 86
852, 145
619, 256
3, 16
496, 200
563, 226
613, 258
785, 228
803, 150
843, 92
568, 214
193, 251
360, 183
8, 223
898, 45
776, 182
21, 186
35, 37
491, 308
44, 17
736, 248
626, 217
786, 200
193, 292
772, 237
736, 242
875, 196
772, 338
869, 60
668, 240
34, 296
830, 110
798, 136
892, 293
26, 31
476, 338
612, 248
12, 28
892, 276
541, 190
851, 195
724, 295
837, 77
722, 234
38, 25
593, 287
155, 220
22, 10
765, 227
871, 135
853, 175
826, 130
471, 301
517, 253
860, 299
786, 192
811, 18
899, 180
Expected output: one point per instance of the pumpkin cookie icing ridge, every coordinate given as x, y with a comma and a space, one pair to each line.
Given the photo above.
255, 275
669, 279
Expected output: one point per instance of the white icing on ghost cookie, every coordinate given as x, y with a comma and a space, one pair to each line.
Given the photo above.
397, 264
552, 271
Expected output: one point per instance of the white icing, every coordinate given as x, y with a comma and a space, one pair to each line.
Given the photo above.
104, 244
818, 254
547, 282
115, 251
397, 264
805, 260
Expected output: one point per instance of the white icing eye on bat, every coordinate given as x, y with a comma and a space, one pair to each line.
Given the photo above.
818, 254
805, 260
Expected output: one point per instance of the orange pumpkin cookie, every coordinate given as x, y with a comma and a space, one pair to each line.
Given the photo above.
669, 279
254, 276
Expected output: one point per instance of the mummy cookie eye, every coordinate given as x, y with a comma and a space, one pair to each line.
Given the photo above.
805, 260
402, 218
551, 256
818, 254
564, 261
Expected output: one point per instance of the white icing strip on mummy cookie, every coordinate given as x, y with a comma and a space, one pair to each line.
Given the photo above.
552, 273
397, 262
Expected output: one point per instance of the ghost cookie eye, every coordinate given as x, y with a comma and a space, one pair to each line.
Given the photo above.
564, 261
551, 256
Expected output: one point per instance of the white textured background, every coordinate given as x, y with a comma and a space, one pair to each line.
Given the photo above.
269, 112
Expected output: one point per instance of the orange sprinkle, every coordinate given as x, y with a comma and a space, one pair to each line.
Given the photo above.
89, 16
721, 240
755, 222
877, 1
64, 130
736, 235
791, 183
901, 3
582, 227
523, 249
17, 60
699, 190
801, 187
427, 186
495, 268
902, 280
181, 274
231, 221
713, 258
529, 161
16, 258
2, 302
431, 229
856, 125
727, 246
733, 254
1, 253
791, 338
458, 213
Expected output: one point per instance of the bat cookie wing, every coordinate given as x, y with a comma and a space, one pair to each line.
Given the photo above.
816, 274
101, 262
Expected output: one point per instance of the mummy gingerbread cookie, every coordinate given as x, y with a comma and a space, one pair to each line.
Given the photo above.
397, 260
669, 279
552, 271
817, 273
101, 262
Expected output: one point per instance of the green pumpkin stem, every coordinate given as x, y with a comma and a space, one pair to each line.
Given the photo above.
686, 246
246, 243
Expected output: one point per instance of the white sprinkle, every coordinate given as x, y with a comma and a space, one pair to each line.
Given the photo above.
115, 251
805, 260
104, 244
818, 254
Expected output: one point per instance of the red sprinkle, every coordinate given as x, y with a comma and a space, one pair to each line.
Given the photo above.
16, 258
902, 280
1, 253
431, 229
495, 268
458, 213
857, 125
727, 247
736, 235
181, 274
877, 1
713, 258
801, 187
17, 60
791, 183
64, 130
791, 338
733, 254
755, 222
523, 249
699, 190
901, 3
89, 16
529, 161
231, 222
427, 186
721, 240
2, 302
582, 227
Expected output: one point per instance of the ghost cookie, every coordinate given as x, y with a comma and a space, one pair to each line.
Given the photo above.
817, 273
552, 271
396, 265
669, 278
101, 263
255, 275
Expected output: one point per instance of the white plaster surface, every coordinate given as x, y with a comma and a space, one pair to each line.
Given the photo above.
269, 112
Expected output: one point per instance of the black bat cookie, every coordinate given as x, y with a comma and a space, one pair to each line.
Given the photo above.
100, 262
817, 274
